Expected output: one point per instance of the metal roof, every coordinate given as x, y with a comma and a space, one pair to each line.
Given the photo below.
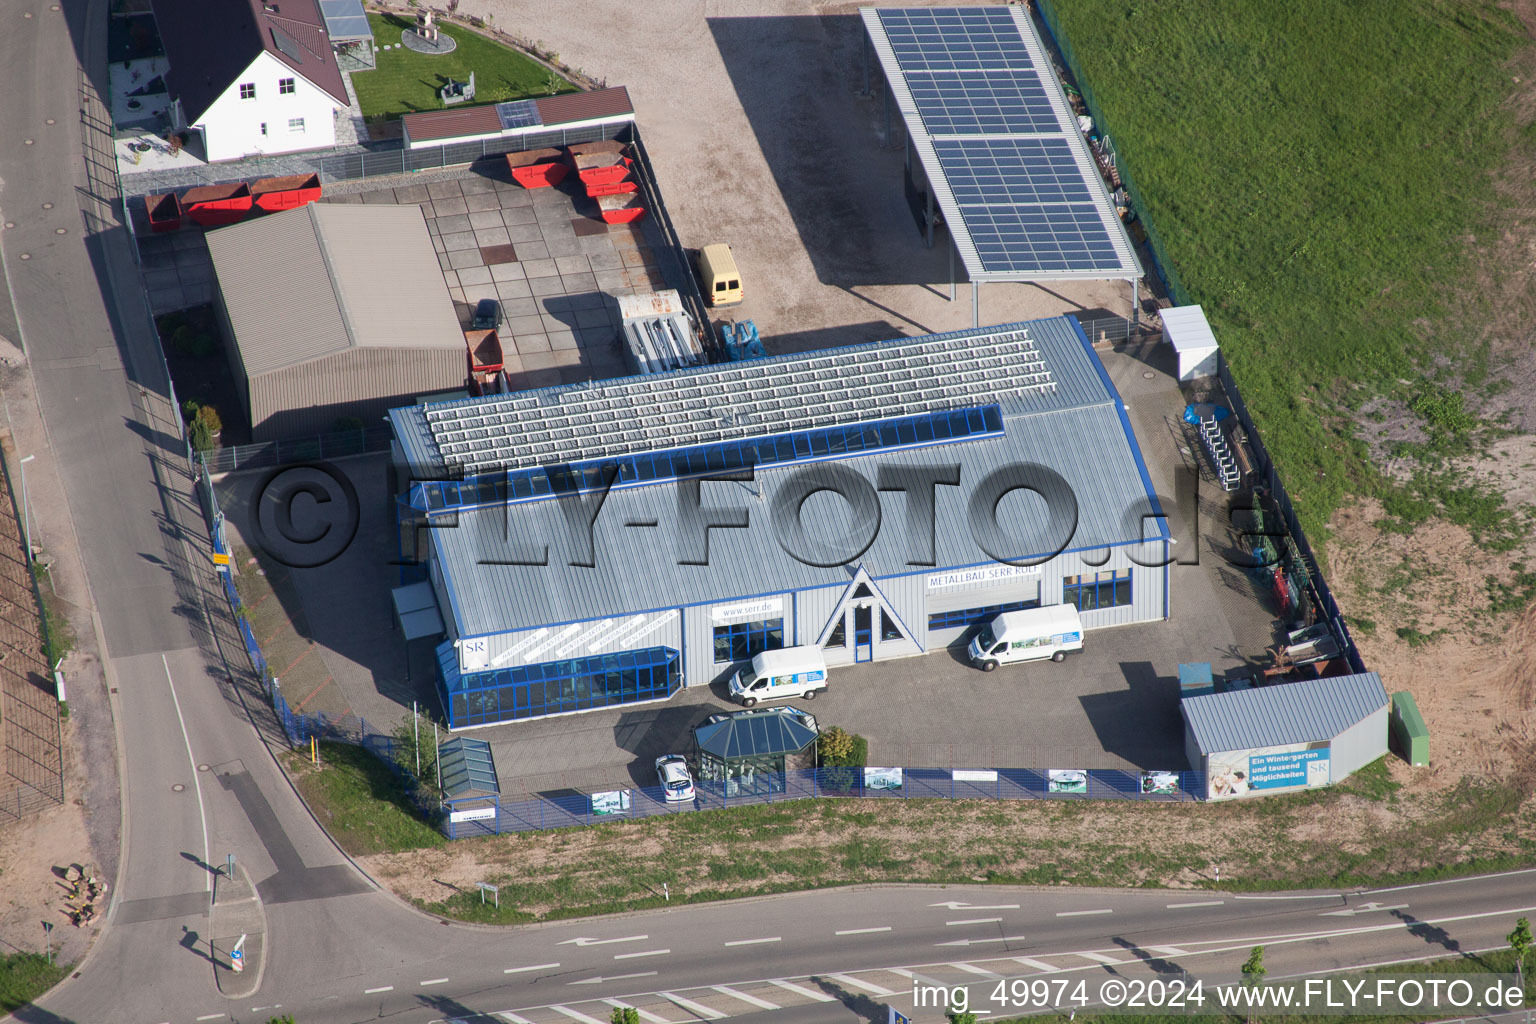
1272, 716
772, 733
1187, 330
324, 278
468, 769
520, 116
1009, 168
345, 20
1078, 431
596, 105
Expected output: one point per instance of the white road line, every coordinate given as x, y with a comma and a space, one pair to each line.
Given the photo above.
761, 1004
973, 969
645, 1015
376, 991
206, 1016
1320, 896
513, 1018
753, 942
649, 952
843, 979
575, 1015
919, 978
434, 981
1039, 965
862, 931
535, 967
1202, 903
974, 920
1169, 950
1100, 958
801, 990
1450, 881
697, 1009
202, 813
1081, 913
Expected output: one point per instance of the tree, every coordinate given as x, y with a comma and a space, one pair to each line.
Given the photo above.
624, 1015
961, 1017
1520, 941
286, 1018
1253, 972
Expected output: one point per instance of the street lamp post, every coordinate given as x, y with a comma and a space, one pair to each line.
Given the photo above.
26, 507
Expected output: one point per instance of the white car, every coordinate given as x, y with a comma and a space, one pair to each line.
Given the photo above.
676, 782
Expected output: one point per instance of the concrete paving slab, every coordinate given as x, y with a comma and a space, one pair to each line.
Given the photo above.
507, 272
459, 240
579, 284
527, 231
520, 325
492, 236
481, 202
514, 290
531, 344
464, 258
474, 276
450, 189
515, 199
539, 267
452, 223
546, 286
485, 218
510, 217
449, 207
573, 265
517, 306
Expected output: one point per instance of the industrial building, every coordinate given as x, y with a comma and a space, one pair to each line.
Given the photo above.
1293, 736
334, 311
585, 552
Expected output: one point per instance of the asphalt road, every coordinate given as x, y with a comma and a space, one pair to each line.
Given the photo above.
199, 782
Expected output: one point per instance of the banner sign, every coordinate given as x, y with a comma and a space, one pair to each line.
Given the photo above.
982, 574
882, 778
1064, 780
473, 814
747, 611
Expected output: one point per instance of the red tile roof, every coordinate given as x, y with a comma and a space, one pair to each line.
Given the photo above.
450, 124
584, 106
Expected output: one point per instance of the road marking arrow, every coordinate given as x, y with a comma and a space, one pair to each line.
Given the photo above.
1364, 908
977, 942
952, 905
600, 942
612, 977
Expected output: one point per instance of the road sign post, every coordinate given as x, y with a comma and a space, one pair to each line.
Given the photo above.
48, 940
237, 956
494, 890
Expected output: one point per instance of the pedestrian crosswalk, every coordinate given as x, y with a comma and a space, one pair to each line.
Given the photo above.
721, 1002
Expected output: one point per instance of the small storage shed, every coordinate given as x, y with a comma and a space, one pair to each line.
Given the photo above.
335, 311
1285, 737
1187, 331
748, 750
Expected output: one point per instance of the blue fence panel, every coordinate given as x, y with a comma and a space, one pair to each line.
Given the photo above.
1021, 783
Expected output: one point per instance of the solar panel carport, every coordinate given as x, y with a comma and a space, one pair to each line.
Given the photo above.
999, 146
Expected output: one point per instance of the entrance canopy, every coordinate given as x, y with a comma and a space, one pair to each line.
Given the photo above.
416, 608
1001, 148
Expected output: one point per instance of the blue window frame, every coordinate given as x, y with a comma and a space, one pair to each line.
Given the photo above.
967, 617
744, 640
553, 687
1109, 588
779, 449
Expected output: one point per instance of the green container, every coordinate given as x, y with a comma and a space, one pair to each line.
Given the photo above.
1410, 736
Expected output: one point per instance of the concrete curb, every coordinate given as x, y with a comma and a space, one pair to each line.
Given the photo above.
237, 910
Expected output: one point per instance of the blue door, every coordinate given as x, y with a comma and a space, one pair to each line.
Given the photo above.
863, 632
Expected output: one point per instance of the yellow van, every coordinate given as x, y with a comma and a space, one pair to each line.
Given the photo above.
719, 276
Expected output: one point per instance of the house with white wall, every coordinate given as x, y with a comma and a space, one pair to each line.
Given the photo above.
251, 77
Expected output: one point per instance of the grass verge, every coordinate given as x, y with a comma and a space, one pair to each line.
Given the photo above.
361, 802
406, 81
1319, 209
58, 633
24, 977
1322, 839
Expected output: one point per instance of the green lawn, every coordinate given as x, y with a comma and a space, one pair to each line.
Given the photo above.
406, 81
361, 802
24, 977
1316, 170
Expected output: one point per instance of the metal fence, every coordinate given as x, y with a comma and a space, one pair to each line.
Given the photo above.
821, 783
303, 449
1161, 264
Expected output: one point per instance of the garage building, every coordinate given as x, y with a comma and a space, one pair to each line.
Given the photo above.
1287, 736
890, 479
335, 311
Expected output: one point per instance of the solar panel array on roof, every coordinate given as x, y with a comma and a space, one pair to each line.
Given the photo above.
345, 20
1008, 166
289, 48
518, 114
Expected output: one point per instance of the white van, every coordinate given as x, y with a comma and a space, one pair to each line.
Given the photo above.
790, 672
1033, 634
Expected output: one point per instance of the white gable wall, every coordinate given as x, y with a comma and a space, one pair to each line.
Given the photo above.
232, 126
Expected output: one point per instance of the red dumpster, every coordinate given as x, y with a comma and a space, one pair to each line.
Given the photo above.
623, 209
214, 205
484, 351
600, 146
274, 194
601, 168
612, 188
164, 212
537, 168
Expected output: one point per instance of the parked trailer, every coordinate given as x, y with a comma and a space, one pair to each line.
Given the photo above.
538, 168
164, 212
286, 193
215, 205
485, 354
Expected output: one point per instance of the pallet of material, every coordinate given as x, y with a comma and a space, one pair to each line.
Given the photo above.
164, 212
285, 193
537, 168
215, 205
623, 209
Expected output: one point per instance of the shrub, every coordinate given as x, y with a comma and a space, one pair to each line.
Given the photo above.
209, 417
842, 754
199, 434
